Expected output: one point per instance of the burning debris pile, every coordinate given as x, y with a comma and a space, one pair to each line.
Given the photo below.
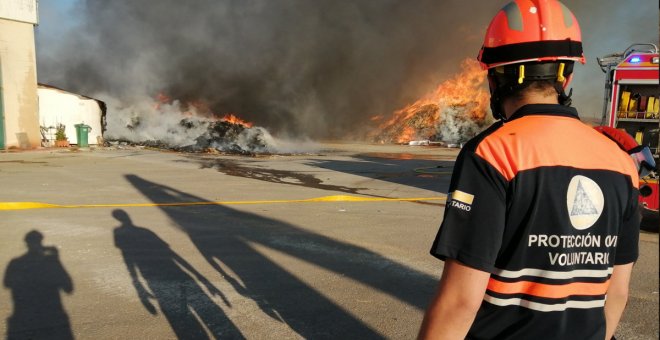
453, 113
191, 128
418, 120
234, 137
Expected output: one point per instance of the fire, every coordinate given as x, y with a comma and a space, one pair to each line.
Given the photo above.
197, 107
163, 98
420, 120
160, 99
231, 118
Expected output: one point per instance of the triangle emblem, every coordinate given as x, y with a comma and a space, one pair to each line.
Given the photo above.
582, 205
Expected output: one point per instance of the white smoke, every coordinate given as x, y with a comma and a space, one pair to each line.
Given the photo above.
174, 125
458, 124
151, 121
284, 145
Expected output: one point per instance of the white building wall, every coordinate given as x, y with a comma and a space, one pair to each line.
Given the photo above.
57, 106
18, 85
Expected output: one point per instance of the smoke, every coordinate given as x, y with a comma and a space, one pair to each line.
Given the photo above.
306, 68
458, 123
152, 121
186, 127
311, 68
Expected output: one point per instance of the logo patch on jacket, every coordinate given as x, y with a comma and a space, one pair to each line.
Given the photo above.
461, 200
585, 202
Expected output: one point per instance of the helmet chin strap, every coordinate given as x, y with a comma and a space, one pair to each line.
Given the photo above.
500, 89
496, 107
563, 98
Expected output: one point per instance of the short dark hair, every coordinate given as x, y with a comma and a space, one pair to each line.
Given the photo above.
544, 87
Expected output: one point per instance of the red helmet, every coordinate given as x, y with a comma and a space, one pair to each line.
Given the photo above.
532, 31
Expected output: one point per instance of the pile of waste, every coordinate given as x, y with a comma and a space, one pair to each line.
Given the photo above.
230, 137
421, 124
428, 124
452, 113
186, 127
211, 136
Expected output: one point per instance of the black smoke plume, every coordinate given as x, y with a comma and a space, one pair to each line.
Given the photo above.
316, 68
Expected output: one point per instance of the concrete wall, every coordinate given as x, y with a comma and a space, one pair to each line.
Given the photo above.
57, 106
18, 84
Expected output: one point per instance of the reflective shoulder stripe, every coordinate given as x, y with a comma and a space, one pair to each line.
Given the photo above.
549, 274
543, 307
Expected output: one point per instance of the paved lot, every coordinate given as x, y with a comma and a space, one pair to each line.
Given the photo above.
156, 245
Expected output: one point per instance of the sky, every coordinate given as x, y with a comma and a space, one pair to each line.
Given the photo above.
315, 66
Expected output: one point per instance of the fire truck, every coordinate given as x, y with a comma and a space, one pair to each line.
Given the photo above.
632, 99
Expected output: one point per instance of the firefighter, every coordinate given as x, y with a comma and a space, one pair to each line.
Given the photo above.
541, 225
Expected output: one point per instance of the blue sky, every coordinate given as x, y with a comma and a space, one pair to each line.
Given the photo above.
55, 18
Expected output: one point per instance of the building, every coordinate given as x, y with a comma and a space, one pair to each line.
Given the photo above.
19, 113
57, 106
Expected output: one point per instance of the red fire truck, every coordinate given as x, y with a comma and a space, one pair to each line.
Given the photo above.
632, 97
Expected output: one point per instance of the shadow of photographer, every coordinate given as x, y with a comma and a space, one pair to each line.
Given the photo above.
36, 280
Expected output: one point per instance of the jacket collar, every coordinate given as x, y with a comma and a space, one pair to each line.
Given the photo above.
545, 110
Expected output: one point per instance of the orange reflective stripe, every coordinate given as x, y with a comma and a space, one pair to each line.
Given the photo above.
547, 290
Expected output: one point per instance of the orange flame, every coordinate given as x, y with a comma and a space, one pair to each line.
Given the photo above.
419, 119
231, 118
198, 106
161, 98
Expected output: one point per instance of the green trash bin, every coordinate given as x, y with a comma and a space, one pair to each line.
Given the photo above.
82, 132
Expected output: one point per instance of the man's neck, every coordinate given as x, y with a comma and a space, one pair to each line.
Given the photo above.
511, 106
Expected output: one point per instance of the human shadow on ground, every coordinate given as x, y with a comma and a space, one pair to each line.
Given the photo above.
226, 238
427, 174
36, 280
187, 307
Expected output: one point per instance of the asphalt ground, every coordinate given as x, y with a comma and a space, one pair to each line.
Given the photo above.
146, 244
